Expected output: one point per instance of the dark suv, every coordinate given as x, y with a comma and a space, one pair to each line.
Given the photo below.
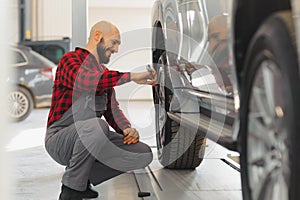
32, 80
229, 71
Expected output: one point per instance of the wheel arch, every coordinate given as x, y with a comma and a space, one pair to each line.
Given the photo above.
248, 17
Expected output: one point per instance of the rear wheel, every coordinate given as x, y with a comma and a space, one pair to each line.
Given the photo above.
178, 147
20, 104
269, 114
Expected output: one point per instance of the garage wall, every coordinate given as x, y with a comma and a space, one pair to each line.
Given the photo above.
52, 19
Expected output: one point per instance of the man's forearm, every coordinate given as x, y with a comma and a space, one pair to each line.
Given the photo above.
147, 77
138, 76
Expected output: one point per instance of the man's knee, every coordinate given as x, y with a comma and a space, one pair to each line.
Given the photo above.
148, 158
146, 154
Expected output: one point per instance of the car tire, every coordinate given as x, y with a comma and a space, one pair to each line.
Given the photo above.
270, 113
178, 147
20, 104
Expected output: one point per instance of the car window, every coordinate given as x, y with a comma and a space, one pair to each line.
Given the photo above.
18, 58
40, 60
53, 52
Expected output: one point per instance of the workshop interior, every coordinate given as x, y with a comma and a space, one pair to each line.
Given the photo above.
182, 99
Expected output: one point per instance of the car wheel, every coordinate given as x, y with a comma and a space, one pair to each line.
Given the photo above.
20, 104
178, 147
269, 113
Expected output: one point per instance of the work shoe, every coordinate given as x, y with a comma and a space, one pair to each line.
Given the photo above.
89, 193
70, 194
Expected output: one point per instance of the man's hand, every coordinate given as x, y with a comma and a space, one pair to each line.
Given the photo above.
148, 78
131, 136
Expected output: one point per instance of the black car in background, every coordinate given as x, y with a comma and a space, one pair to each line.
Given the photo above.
31, 79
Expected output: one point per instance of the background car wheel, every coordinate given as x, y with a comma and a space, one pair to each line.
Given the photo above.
269, 113
20, 104
178, 147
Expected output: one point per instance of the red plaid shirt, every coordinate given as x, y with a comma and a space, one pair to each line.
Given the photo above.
79, 71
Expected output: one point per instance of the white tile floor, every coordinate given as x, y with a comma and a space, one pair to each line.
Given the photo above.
37, 176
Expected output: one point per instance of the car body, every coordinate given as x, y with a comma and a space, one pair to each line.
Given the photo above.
32, 80
229, 71
51, 49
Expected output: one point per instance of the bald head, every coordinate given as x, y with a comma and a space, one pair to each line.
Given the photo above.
104, 40
105, 27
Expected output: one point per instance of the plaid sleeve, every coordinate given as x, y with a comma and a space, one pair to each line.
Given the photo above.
87, 76
114, 115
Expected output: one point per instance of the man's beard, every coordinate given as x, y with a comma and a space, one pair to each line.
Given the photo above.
101, 52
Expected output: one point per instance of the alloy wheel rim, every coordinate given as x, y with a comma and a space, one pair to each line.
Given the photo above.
18, 104
267, 152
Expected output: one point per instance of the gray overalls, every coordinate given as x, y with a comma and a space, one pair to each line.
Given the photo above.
82, 142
